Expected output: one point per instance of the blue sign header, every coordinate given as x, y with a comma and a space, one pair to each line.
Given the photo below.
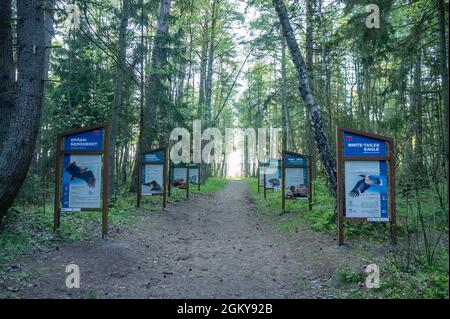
153, 157
85, 141
294, 160
357, 145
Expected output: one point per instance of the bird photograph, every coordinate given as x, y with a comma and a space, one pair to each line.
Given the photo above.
85, 174
275, 182
154, 186
367, 182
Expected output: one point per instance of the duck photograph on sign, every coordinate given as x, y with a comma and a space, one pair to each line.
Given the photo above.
366, 190
152, 180
82, 180
179, 175
295, 181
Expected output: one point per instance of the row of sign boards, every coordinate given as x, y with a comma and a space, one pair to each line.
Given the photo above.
365, 178
81, 174
291, 175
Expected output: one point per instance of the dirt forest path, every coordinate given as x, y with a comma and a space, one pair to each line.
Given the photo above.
211, 246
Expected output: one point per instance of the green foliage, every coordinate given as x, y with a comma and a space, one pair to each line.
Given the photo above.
346, 276
405, 272
321, 218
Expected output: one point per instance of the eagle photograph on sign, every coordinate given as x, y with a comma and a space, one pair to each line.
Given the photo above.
366, 190
82, 181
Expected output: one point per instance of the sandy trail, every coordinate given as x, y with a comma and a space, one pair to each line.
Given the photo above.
211, 246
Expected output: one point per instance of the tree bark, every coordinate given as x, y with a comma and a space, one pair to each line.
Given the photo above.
326, 155
32, 61
284, 113
117, 103
209, 74
203, 65
156, 90
444, 78
6, 68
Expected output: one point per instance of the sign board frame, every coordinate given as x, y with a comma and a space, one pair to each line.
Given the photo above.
141, 165
172, 166
340, 175
104, 152
308, 166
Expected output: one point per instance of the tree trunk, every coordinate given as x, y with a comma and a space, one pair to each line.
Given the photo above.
156, 91
315, 118
444, 78
32, 61
117, 103
284, 112
309, 54
203, 64
209, 74
6, 68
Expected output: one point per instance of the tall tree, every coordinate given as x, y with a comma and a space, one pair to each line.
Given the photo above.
210, 71
25, 102
118, 99
444, 78
156, 92
326, 155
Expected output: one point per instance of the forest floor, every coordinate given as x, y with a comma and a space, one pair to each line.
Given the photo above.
214, 245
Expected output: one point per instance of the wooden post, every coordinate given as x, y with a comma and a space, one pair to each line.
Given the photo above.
165, 164
57, 208
187, 180
139, 180
199, 175
393, 212
339, 197
264, 183
310, 190
169, 167
283, 186
106, 181
258, 178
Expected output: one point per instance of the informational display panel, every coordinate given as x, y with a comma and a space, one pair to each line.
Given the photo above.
365, 179
178, 177
365, 184
296, 183
295, 176
81, 182
195, 174
81, 172
152, 166
272, 170
152, 173
366, 190
152, 179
